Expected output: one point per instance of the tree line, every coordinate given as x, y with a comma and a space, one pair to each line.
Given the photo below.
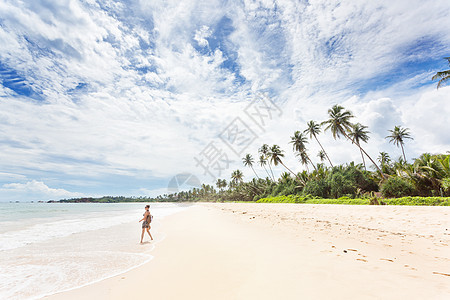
428, 175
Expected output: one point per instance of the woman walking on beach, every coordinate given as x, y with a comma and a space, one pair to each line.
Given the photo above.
146, 224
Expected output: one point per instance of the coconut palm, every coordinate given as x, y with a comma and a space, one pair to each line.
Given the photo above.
398, 136
298, 141
339, 124
265, 150
237, 177
443, 76
221, 183
248, 162
384, 159
304, 159
359, 133
275, 156
313, 130
263, 162
321, 155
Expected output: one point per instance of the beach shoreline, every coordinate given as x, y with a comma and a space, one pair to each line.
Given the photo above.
286, 251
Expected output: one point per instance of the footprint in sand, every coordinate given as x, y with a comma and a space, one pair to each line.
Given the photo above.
439, 273
360, 259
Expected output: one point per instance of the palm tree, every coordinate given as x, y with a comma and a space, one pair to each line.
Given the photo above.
321, 155
275, 155
221, 183
263, 162
304, 159
237, 177
265, 150
359, 133
384, 159
248, 162
443, 76
339, 124
298, 141
398, 136
313, 130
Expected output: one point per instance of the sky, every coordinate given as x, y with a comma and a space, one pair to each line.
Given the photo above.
121, 97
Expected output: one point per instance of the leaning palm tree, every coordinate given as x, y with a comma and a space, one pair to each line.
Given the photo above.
275, 156
339, 124
359, 133
313, 130
248, 162
443, 76
263, 162
398, 136
265, 150
299, 142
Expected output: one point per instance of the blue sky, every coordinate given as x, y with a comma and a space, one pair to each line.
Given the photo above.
117, 97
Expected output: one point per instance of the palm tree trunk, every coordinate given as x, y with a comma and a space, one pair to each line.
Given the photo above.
310, 161
273, 177
324, 151
361, 149
404, 156
291, 171
364, 162
254, 172
266, 171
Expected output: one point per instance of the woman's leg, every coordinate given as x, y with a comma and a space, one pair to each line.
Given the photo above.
148, 231
142, 235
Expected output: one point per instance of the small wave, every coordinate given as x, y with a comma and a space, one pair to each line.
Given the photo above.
60, 228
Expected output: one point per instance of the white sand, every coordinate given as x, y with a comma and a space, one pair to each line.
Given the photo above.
291, 251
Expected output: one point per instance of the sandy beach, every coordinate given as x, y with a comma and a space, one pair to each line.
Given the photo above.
288, 251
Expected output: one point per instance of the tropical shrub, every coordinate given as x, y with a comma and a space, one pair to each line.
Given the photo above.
397, 187
446, 186
318, 188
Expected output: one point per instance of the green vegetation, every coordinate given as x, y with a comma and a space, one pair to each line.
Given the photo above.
424, 181
421, 182
443, 201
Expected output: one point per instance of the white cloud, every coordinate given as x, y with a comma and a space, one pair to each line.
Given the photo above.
151, 101
38, 190
201, 35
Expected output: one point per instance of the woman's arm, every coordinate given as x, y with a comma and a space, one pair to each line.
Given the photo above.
145, 216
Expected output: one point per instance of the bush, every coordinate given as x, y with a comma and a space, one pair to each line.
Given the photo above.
446, 186
318, 188
341, 186
396, 187
308, 199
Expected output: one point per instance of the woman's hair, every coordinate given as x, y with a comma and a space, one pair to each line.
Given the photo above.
147, 206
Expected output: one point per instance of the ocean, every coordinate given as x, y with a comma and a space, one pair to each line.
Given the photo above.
47, 248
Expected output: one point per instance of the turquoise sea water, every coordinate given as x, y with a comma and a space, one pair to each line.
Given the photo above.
49, 247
